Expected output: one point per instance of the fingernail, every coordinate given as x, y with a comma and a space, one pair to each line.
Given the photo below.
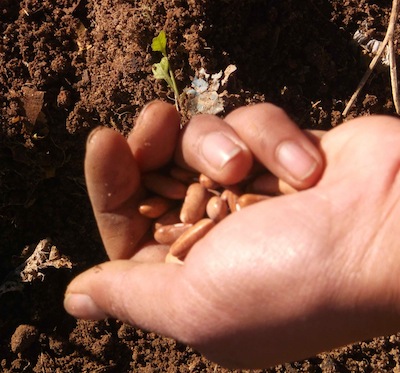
296, 160
219, 150
82, 306
93, 133
143, 111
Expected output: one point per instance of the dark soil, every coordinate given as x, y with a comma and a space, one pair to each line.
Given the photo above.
67, 66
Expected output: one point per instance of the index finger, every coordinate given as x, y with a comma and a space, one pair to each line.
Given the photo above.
278, 143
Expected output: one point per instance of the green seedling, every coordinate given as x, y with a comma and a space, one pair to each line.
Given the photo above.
162, 70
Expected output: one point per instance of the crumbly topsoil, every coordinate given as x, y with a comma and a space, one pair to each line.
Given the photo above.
67, 66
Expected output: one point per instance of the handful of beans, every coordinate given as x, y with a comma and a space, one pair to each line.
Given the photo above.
184, 206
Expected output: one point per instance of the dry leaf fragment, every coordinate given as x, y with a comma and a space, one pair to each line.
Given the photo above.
33, 101
204, 96
44, 256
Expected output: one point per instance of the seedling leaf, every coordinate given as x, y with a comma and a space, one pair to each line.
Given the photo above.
159, 43
161, 71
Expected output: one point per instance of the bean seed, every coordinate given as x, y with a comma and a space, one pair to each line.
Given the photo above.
231, 196
269, 184
173, 259
182, 227
194, 205
207, 182
154, 207
217, 208
285, 188
249, 199
184, 243
170, 217
168, 234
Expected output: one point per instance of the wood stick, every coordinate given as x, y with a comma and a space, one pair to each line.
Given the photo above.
388, 36
393, 76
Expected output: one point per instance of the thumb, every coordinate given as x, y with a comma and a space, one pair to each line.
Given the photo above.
145, 295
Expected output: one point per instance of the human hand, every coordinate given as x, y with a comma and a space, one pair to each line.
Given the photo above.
280, 280
221, 149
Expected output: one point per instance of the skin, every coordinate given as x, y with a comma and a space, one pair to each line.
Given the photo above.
306, 271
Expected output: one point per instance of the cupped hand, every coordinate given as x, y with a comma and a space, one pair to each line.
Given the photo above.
279, 280
222, 149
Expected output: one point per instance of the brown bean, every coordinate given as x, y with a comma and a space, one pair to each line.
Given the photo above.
154, 207
168, 234
173, 259
184, 243
164, 186
207, 182
185, 176
249, 199
231, 195
217, 208
285, 188
170, 217
194, 205
270, 185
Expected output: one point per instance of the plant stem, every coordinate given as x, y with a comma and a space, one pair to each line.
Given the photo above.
174, 87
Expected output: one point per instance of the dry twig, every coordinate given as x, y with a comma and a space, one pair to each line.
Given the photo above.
393, 76
388, 38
